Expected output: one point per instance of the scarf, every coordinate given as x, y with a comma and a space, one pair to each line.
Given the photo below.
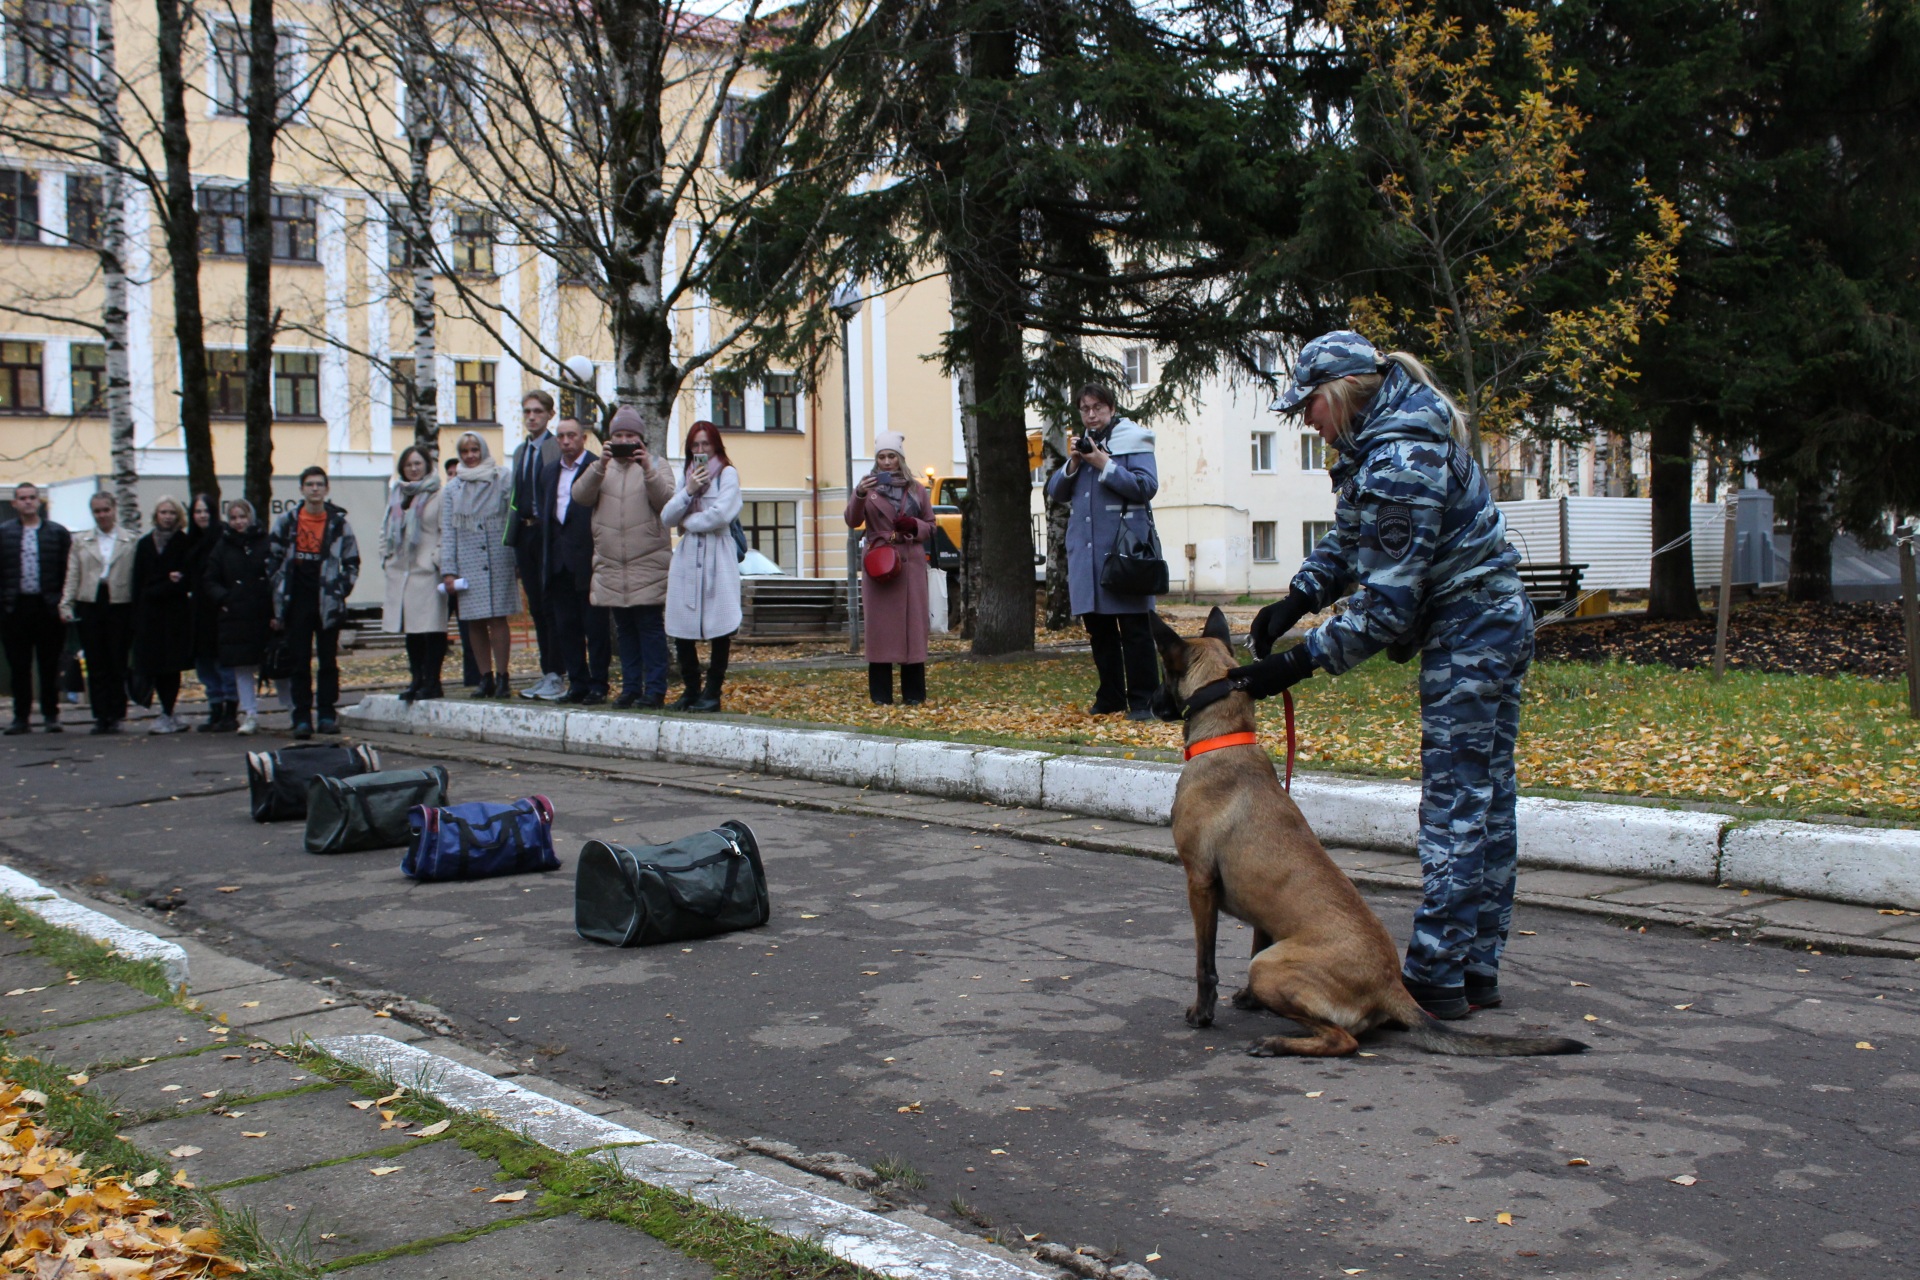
402, 525
897, 488
161, 537
479, 496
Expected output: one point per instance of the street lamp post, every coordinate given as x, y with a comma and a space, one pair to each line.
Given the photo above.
846, 304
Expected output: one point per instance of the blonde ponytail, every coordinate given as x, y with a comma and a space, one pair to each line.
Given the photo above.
1424, 376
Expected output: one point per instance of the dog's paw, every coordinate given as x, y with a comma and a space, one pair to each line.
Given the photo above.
1245, 999
1198, 1018
1263, 1049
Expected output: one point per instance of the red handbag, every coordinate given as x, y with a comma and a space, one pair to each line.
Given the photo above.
882, 562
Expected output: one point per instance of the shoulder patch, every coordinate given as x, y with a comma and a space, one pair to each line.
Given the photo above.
1394, 527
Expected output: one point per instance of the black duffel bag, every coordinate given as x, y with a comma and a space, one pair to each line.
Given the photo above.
370, 811
278, 779
703, 884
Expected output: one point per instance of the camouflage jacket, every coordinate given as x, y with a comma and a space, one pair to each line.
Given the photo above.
1414, 525
339, 563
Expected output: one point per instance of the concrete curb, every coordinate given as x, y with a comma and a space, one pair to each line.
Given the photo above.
865, 1239
1868, 866
124, 940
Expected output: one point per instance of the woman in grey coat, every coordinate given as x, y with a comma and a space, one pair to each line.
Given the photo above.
1109, 481
475, 561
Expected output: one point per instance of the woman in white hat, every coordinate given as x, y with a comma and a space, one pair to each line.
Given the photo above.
897, 514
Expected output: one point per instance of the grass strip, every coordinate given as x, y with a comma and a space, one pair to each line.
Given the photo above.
593, 1186
80, 955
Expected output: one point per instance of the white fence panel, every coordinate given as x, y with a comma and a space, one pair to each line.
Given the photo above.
1533, 527
1613, 537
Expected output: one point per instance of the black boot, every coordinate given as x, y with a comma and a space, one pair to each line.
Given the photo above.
229, 717
716, 675
431, 661
690, 672
913, 683
412, 690
880, 683
212, 723
486, 685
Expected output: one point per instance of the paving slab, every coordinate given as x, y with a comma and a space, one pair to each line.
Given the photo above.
176, 1084
272, 1001
1374, 860
65, 1003
1574, 884
548, 1249
1826, 917
154, 1033
302, 1130
343, 1210
340, 1020
1697, 899
26, 970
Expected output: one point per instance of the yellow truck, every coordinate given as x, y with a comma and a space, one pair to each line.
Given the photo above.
949, 493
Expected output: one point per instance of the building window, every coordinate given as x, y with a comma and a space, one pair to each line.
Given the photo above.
1265, 534
773, 531
400, 244
729, 407
736, 123
781, 406
1139, 370
1312, 533
87, 362
232, 72
1266, 357
20, 389
404, 403
223, 222
1263, 451
456, 96
86, 213
473, 391
296, 236
296, 384
472, 243
19, 206
1313, 453
227, 383
45, 40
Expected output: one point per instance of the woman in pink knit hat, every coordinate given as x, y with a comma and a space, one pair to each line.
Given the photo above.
895, 511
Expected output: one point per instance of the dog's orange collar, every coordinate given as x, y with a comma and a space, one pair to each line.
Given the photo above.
1224, 740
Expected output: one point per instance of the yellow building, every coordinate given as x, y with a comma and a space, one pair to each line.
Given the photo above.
346, 319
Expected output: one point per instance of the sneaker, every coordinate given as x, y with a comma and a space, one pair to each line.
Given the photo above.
249, 725
551, 688
166, 724
1449, 1004
302, 730
328, 725
1483, 992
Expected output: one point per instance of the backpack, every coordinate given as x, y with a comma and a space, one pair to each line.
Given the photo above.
277, 780
739, 539
698, 886
349, 815
478, 840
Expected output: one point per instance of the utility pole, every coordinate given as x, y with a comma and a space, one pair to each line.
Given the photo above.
846, 304
1729, 547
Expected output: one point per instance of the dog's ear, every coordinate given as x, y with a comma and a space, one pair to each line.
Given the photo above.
1172, 645
1217, 628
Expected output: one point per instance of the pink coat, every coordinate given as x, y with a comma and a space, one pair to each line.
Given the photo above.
895, 611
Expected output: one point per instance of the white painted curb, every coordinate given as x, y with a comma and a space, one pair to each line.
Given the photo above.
854, 1235
1870, 866
124, 940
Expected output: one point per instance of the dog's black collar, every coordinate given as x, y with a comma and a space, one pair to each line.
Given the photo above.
1208, 694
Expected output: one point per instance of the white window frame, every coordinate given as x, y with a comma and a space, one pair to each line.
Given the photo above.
1272, 530
1313, 452
1261, 453
1138, 365
295, 54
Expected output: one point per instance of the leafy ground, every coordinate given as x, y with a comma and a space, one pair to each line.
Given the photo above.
1766, 635
1837, 744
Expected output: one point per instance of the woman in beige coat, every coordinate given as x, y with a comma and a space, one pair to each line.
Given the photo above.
627, 486
416, 606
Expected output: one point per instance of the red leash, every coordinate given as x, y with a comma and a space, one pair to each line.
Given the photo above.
1249, 739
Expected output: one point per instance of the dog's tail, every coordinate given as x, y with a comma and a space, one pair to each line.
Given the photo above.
1427, 1032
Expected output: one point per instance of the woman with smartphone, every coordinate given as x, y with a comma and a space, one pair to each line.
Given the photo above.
895, 511
703, 583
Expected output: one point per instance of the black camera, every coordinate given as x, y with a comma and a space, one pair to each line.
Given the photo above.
1083, 444
622, 449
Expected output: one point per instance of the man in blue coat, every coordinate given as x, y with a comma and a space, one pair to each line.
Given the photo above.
1109, 481
1417, 535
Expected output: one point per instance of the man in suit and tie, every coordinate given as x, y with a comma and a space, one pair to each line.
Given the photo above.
33, 575
532, 462
582, 635
99, 592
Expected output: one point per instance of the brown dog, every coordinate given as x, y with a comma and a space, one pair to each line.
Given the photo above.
1320, 955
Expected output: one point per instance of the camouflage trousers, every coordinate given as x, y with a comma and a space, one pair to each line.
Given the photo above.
1471, 666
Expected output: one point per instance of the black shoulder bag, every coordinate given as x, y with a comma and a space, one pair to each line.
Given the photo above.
1134, 566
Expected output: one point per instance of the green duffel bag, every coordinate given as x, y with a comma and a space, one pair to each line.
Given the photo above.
369, 810
695, 887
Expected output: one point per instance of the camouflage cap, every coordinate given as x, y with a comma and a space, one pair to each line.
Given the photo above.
1331, 355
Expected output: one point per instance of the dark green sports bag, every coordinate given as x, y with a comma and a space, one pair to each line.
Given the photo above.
369, 810
695, 887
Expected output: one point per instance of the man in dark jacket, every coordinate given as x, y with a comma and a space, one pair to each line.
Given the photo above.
582, 639
316, 561
533, 464
33, 574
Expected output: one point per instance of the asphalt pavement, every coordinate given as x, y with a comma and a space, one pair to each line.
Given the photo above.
1005, 1017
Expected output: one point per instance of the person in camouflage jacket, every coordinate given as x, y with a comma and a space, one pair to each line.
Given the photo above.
1419, 539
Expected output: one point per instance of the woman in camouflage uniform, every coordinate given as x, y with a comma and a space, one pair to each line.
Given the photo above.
1417, 535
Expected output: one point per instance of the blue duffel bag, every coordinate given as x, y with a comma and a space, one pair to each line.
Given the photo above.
475, 841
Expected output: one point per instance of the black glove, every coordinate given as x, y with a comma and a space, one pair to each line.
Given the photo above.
1273, 675
1276, 620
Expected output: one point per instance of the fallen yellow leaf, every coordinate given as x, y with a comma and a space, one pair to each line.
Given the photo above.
1577, 1163
508, 1197
1316, 1093
1862, 1044
1685, 1180
386, 1169
435, 1129
360, 1104
1504, 1219
249, 1134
